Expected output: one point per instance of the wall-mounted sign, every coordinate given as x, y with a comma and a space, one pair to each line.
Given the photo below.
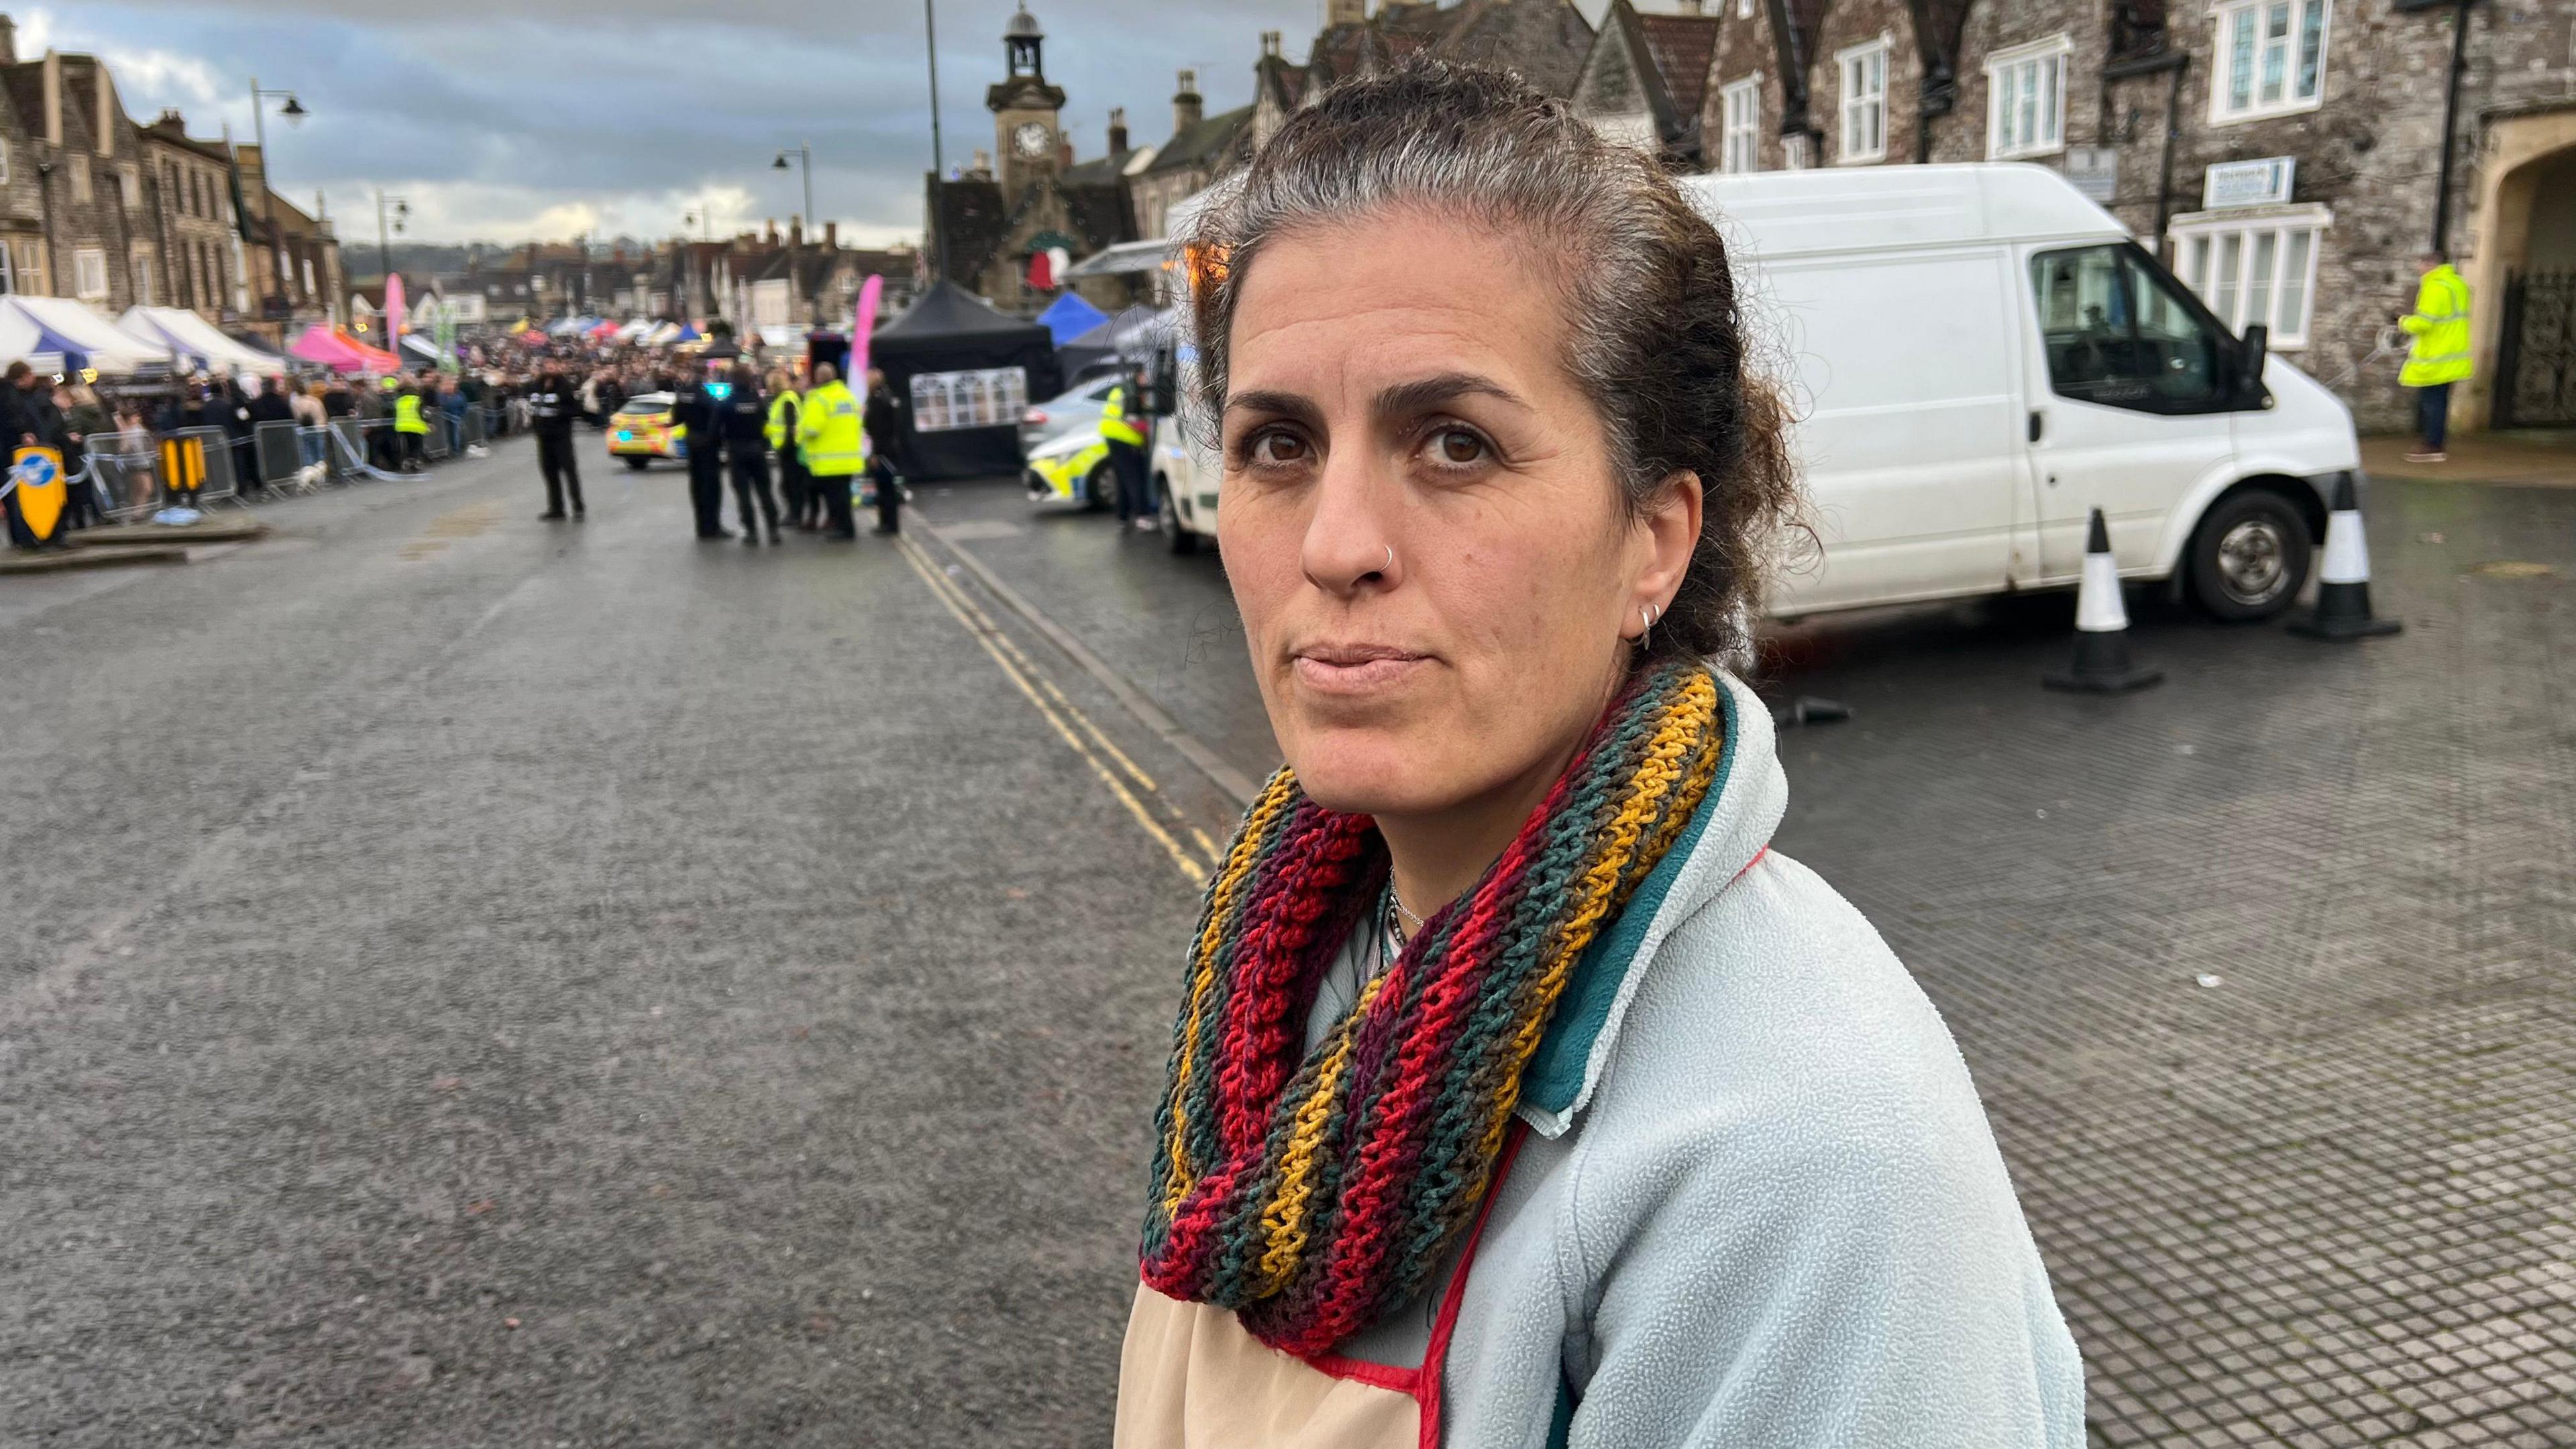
2248, 183
990, 397
2095, 170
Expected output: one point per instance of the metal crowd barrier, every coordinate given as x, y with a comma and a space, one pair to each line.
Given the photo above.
210, 451
353, 455
279, 453
434, 446
128, 484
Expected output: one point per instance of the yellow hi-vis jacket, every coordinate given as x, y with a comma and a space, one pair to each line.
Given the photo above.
829, 432
1113, 419
2440, 326
407, 418
782, 420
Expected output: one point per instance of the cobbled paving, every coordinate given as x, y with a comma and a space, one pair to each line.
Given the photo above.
2268, 975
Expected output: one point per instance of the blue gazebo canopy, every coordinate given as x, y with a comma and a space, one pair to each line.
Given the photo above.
1068, 317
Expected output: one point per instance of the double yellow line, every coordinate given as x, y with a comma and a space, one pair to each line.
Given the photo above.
1127, 780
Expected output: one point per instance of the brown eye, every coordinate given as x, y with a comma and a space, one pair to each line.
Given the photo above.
1457, 445
1275, 448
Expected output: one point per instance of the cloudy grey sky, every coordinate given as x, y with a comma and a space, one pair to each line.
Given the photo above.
506, 119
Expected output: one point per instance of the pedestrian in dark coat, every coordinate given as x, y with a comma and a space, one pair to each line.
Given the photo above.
233, 416
693, 409
745, 416
888, 423
553, 408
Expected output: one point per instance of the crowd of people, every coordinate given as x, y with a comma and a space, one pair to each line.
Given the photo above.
790, 444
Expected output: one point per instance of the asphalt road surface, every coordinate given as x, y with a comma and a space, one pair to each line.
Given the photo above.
471, 980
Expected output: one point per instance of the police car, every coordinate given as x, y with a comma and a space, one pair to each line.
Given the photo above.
643, 429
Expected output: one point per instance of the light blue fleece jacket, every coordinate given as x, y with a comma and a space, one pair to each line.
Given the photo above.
1759, 1206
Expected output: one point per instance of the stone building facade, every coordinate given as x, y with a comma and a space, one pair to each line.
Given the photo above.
1027, 195
187, 186
75, 215
291, 261
1643, 81
2285, 157
114, 214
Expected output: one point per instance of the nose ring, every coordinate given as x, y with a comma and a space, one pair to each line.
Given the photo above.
1390, 558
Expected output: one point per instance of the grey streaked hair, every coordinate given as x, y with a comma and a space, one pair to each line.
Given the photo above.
1654, 336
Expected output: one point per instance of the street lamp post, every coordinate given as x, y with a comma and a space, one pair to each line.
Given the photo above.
294, 113
401, 211
938, 164
804, 160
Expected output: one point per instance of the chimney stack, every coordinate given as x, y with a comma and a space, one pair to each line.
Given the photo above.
1064, 153
1345, 12
795, 231
832, 235
772, 233
1269, 45
1117, 131
1186, 107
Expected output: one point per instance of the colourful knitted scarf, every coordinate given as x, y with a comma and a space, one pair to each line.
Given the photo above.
1314, 1191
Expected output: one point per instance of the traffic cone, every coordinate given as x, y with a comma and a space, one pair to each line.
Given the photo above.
2343, 583
2102, 664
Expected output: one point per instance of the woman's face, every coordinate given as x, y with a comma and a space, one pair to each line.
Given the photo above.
1437, 579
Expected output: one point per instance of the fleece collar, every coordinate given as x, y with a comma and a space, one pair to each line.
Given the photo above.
1732, 826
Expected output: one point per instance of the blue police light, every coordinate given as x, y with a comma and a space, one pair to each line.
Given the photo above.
719, 390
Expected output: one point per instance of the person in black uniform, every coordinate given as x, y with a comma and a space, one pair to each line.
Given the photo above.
746, 424
553, 407
885, 421
694, 410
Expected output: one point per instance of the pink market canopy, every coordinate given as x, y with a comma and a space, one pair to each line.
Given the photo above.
340, 352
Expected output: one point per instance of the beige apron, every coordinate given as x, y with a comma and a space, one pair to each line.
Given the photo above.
1192, 1377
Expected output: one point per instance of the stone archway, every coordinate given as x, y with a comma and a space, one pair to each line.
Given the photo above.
2522, 216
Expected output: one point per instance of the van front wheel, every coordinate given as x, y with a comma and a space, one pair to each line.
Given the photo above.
2250, 556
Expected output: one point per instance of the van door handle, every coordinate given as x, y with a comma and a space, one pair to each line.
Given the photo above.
2035, 421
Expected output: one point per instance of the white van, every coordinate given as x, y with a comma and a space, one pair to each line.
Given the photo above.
1978, 356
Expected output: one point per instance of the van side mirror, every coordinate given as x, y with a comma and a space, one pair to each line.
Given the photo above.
2249, 377
1160, 387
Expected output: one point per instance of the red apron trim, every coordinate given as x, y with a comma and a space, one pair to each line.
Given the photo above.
1423, 1383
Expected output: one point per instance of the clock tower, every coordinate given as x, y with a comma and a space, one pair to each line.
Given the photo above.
1025, 134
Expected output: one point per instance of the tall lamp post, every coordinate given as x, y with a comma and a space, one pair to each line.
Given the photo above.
294, 113
401, 212
805, 160
938, 164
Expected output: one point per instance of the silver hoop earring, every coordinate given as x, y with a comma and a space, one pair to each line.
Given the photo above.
1650, 614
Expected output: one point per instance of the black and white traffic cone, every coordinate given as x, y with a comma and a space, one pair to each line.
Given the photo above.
2343, 583
2102, 664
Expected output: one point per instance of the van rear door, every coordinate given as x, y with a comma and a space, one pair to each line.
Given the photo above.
1908, 419
2128, 400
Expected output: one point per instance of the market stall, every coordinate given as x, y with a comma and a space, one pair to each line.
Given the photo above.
194, 342
58, 327
968, 373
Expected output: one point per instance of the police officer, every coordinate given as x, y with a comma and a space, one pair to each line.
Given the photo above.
1127, 453
746, 421
829, 431
553, 407
780, 434
692, 408
411, 428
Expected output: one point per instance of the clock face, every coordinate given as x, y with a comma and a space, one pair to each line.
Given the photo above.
1030, 139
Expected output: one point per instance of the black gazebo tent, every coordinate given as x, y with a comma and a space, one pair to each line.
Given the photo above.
967, 372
